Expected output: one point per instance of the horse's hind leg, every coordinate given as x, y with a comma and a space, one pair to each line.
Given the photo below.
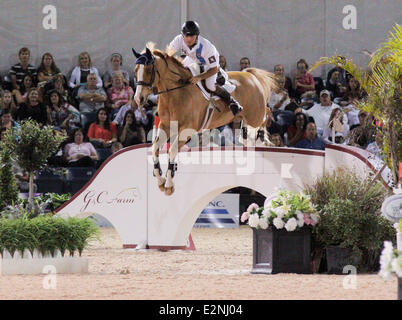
160, 140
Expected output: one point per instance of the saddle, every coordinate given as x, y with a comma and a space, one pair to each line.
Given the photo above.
221, 80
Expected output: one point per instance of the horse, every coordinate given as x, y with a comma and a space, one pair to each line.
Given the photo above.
183, 105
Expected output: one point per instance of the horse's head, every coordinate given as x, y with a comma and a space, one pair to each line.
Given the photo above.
145, 74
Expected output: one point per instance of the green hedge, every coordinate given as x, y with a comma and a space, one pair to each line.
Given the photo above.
47, 234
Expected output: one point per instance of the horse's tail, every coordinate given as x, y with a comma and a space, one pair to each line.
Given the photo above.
267, 80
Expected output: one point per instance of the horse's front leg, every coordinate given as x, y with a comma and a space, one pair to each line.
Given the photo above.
172, 167
161, 138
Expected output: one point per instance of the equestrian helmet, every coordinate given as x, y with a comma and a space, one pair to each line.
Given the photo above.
190, 28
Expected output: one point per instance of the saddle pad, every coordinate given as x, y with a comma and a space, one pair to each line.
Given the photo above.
195, 70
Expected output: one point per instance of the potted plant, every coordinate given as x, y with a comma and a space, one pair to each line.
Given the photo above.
282, 233
27, 245
391, 263
351, 229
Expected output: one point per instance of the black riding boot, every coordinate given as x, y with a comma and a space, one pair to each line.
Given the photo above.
228, 99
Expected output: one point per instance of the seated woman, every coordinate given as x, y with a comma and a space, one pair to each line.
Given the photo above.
7, 103
80, 73
47, 69
79, 152
119, 94
62, 115
297, 131
303, 81
102, 133
276, 139
21, 93
131, 132
116, 61
353, 93
336, 131
33, 108
279, 97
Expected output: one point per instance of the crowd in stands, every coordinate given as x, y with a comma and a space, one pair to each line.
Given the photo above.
97, 114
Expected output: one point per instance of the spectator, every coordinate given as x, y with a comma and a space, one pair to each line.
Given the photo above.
334, 86
79, 152
276, 139
244, 63
80, 73
91, 98
131, 132
374, 147
116, 146
19, 70
33, 108
223, 63
321, 112
311, 141
7, 121
279, 97
21, 93
119, 94
362, 134
297, 131
7, 102
59, 84
353, 93
279, 71
337, 127
47, 69
102, 133
343, 75
272, 126
116, 63
62, 115
304, 81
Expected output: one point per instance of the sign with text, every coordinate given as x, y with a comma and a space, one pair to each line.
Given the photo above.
222, 212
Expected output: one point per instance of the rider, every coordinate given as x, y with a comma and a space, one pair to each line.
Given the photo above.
199, 50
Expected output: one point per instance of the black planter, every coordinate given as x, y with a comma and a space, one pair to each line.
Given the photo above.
399, 288
280, 251
338, 258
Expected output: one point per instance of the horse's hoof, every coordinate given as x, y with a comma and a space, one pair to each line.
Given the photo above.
162, 186
169, 191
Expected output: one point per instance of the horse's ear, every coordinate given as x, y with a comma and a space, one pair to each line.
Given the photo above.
136, 54
148, 52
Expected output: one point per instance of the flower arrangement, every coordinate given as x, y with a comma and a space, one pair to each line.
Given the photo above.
390, 261
289, 210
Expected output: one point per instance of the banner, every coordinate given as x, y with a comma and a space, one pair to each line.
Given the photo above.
222, 212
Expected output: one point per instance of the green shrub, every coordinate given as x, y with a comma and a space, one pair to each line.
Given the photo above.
350, 212
47, 234
8, 185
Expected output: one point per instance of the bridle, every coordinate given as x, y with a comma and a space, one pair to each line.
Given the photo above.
153, 75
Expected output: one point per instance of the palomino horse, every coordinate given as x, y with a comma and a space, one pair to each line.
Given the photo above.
183, 105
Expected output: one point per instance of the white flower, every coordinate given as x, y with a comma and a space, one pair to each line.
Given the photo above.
300, 218
280, 213
286, 208
263, 223
268, 205
253, 220
278, 223
266, 213
252, 206
314, 217
385, 260
396, 266
291, 224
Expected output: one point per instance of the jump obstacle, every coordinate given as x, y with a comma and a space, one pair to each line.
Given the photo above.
124, 191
